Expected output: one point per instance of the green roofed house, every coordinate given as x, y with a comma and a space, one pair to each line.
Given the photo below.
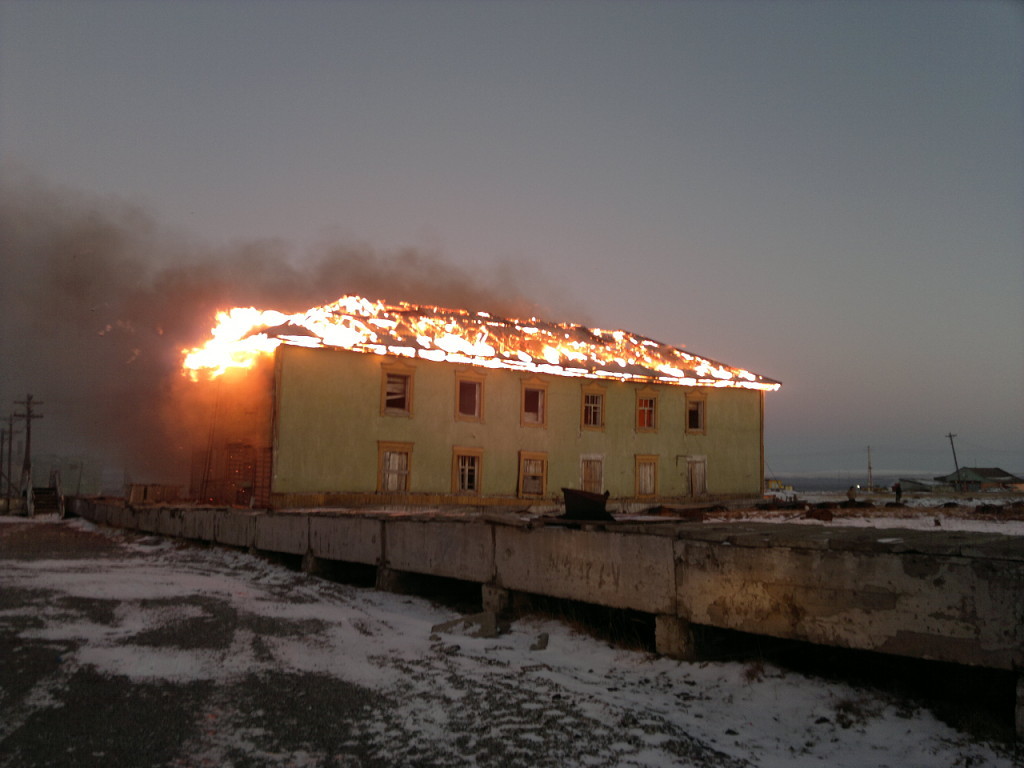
980, 478
422, 405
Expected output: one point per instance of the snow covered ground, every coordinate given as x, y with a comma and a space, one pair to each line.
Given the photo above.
984, 513
426, 698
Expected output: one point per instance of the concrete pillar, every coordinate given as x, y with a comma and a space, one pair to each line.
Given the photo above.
389, 580
673, 637
494, 599
1020, 707
311, 564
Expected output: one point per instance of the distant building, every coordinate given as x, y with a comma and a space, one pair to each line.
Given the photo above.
446, 407
980, 478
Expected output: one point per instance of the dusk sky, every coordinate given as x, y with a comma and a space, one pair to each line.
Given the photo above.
830, 194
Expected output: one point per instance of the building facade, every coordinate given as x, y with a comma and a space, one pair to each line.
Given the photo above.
350, 426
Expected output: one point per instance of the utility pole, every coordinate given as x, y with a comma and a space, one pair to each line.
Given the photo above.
26, 466
3, 476
871, 485
10, 452
950, 435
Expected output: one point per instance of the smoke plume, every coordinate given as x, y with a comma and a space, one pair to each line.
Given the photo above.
98, 300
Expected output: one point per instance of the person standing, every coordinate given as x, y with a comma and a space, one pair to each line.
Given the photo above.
898, 490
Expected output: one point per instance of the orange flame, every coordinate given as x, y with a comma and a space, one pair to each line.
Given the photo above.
243, 335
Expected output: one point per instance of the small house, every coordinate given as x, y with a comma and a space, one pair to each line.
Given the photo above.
980, 479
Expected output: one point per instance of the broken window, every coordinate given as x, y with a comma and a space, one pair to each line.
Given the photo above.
467, 472
646, 475
695, 417
395, 461
533, 413
533, 469
469, 399
397, 393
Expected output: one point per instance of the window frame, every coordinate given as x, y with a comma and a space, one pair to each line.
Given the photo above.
397, 369
593, 390
525, 456
697, 402
459, 452
474, 379
645, 459
388, 447
641, 396
533, 384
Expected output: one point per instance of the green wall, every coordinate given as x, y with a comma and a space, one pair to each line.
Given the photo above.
328, 422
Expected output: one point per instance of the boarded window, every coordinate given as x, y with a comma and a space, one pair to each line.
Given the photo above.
394, 470
592, 471
646, 475
532, 474
698, 472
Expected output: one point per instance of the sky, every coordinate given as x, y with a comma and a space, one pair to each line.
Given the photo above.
828, 194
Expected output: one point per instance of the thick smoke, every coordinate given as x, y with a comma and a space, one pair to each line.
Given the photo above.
98, 301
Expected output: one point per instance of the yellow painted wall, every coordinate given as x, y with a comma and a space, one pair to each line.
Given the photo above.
328, 422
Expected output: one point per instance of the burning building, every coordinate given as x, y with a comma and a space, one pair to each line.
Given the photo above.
362, 402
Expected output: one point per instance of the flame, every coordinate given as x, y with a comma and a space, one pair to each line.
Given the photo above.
244, 335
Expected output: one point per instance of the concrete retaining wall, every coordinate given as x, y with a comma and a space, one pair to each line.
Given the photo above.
935, 607
235, 528
349, 539
951, 597
199, 524
618, 570
288, 533
457, 550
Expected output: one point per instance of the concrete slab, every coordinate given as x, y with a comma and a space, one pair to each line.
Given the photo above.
347, 538
235, 528
457, 550
147, 518
287, 532
199, 523
942, 608
168, 522
605, 568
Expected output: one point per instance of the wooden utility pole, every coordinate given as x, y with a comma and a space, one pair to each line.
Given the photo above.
950, 435
871, 484
3, 475
26, 466
10, 452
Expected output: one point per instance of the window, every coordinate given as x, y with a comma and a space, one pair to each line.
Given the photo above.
534, 404
646, 412
593, 407
533, 473
394, 462
468, 399
593, 410
695, 416
646, 475
466, 463
592, 473
396, 391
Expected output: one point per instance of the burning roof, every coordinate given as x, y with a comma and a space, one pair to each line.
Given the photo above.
353, 323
